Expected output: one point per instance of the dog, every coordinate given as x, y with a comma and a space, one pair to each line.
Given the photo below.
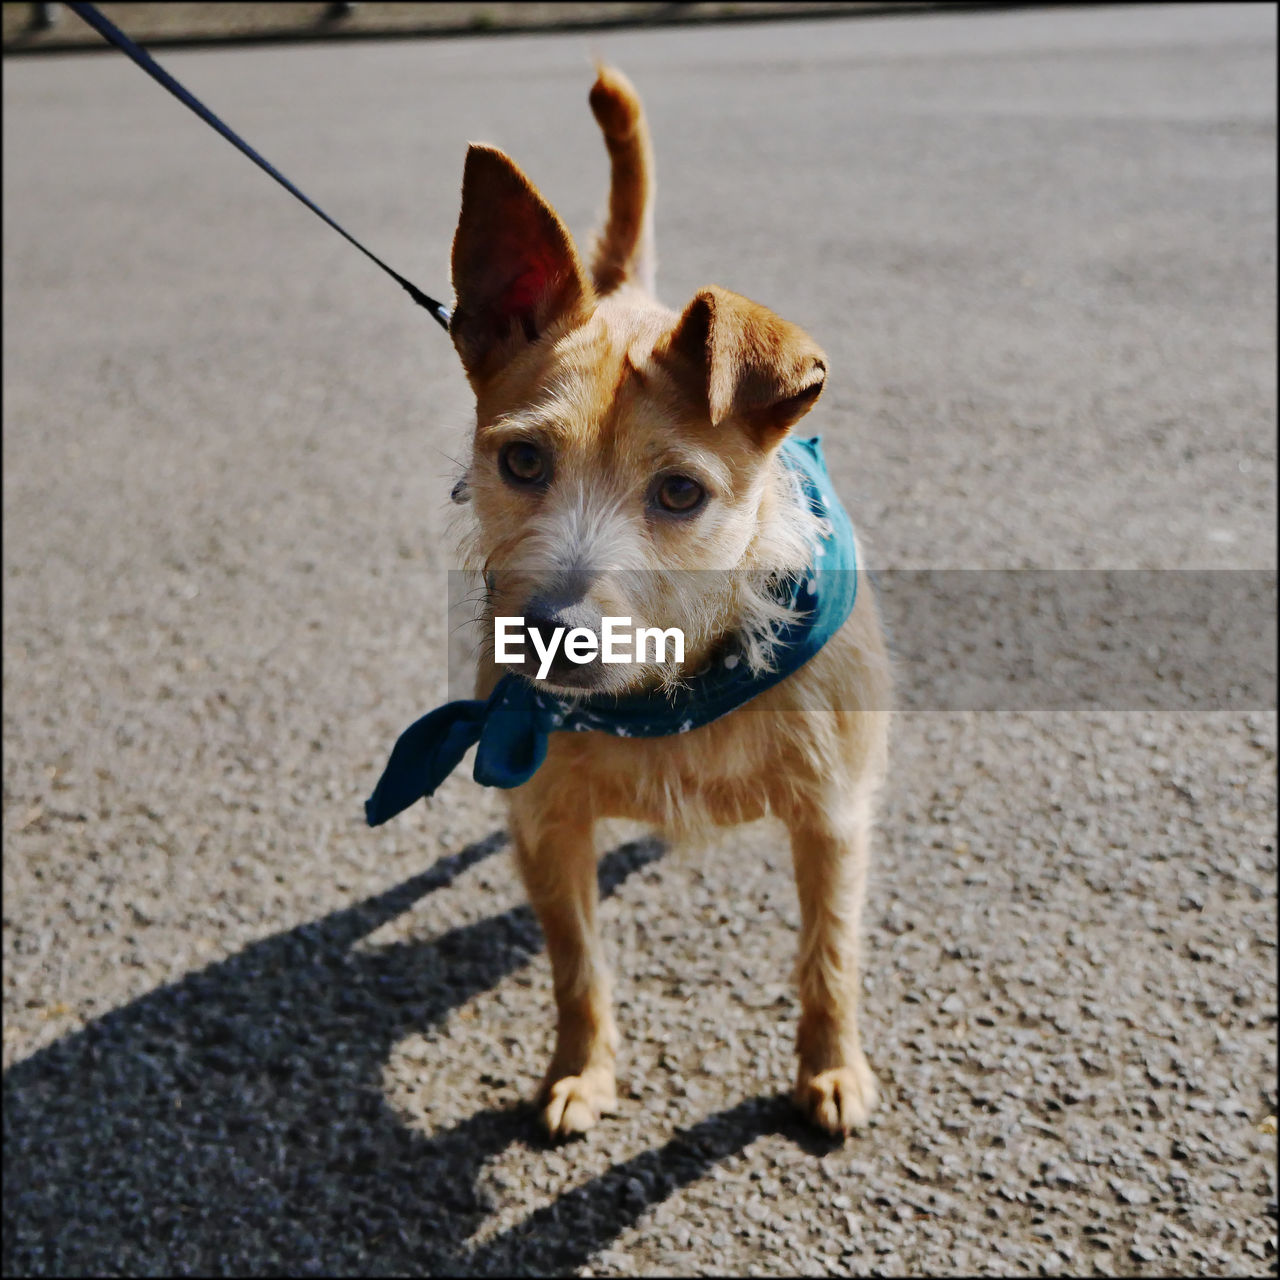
628, 460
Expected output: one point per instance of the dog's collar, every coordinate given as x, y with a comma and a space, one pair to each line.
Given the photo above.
513, 726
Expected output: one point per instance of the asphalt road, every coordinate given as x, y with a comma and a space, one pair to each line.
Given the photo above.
243, 1033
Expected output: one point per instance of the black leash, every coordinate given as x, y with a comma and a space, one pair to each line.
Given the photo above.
122, 42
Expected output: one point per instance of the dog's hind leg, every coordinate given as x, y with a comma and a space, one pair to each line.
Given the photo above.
624, 251
557, 861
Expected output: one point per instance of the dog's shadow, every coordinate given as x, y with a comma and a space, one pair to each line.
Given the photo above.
234, 1122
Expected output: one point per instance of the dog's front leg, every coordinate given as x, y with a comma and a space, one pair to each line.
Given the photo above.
834, 1085
557, 861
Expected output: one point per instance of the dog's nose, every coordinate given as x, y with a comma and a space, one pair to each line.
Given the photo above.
563, 592
547, 610
538, 617
545, 616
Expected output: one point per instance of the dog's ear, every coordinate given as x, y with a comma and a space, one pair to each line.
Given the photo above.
741, 362
516, 274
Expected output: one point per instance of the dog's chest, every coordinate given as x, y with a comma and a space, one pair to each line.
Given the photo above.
710, 777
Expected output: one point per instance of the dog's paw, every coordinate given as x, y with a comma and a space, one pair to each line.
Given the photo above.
573, 1104
838, 1100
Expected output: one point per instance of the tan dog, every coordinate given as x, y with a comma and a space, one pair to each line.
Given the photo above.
619, 448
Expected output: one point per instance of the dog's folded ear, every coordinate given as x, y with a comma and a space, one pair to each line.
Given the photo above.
741, 362
516, 273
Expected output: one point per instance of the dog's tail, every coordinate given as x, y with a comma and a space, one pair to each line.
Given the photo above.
623, 252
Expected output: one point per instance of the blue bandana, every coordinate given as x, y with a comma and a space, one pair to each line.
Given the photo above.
512, 727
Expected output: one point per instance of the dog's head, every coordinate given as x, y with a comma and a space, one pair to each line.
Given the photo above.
623, 462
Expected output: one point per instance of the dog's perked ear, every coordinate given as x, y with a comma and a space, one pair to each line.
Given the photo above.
516, 273
742, 362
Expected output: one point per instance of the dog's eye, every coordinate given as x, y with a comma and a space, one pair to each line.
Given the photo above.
680, 494
524, 463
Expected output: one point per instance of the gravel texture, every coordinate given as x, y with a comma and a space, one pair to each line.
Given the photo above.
245, 1034
175, 22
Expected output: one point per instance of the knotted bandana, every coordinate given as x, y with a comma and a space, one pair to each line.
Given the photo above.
513, 725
